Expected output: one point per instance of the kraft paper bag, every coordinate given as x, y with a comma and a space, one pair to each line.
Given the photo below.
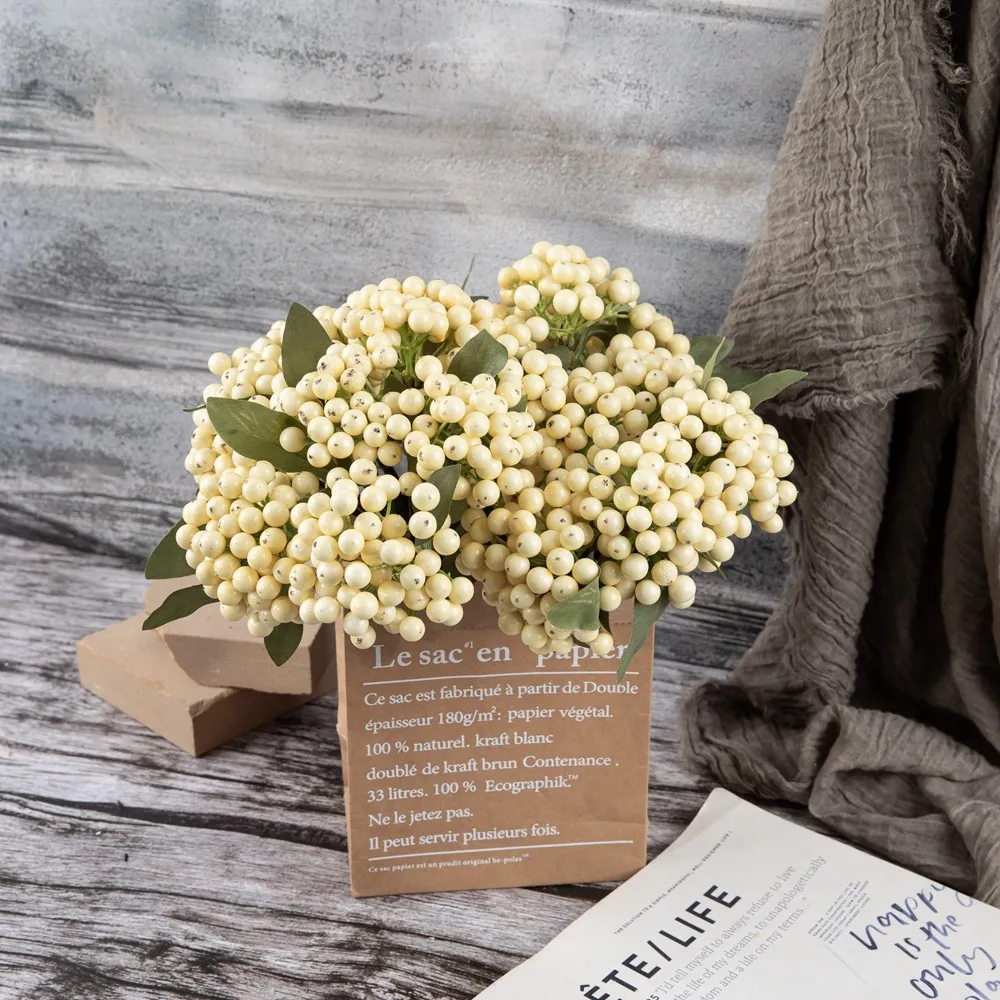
471, 762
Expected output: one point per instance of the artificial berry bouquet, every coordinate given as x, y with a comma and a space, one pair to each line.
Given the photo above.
563, 446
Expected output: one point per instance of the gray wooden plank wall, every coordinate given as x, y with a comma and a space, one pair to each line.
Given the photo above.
171, 175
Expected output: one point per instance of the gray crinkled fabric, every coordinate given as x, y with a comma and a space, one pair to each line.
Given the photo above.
873, 693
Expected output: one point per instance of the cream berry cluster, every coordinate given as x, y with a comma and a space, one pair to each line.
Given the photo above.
267, 545
395, 313
377, 567
367, 461
529, 555
383, 566
650, 478
412, 311
337, 546
238, 538
557, 292
440, 420
236, 532
249, 373
713, 445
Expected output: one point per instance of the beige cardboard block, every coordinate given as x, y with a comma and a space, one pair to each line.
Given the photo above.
470, 762
135, 671
218, 653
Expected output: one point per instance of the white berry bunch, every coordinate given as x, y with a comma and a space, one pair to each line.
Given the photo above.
651, 469
318, 518
562, 298
564, 446
244, 545
249, 373
438, 420
379, 567
238, 533
403, 316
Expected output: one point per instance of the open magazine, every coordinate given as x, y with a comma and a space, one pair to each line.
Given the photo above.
745, 905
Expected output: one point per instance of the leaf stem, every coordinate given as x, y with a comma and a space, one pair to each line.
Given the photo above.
468, 274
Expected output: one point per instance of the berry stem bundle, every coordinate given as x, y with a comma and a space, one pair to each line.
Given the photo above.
564, 447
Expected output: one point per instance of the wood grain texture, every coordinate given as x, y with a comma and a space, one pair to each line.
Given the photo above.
128, 869
171, 175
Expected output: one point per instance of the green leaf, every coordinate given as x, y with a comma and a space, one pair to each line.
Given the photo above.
563, 354
303, 343
603, 333
194, 409
644, 617
458, 508
770, 385
603, 330
716, 565
445, 479
702, 348
481, 354
179, 604
605, 619
521, 405
710, 366
252, 429
392, 383
735, 378
167, 561
581, 610
282, 642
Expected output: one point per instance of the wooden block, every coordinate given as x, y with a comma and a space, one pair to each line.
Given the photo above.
218, 653
136, 672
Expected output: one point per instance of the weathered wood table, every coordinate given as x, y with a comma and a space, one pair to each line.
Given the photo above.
130, 870
171, 175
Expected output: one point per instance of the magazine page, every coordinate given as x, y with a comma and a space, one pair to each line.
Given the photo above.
746, 905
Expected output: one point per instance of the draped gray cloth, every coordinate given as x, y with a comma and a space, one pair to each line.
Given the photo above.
873, 694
